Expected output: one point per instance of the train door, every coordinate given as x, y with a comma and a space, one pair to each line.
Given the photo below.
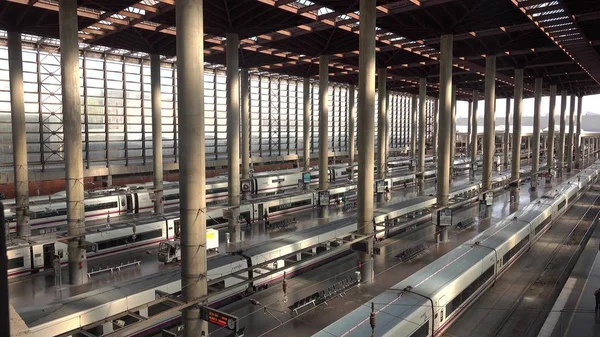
49, 255
254, 186
37, 257
177, 228
129, 203
260, 211
136, 203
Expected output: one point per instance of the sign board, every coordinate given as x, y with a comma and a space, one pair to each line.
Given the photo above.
324, 198
219, 318
380, 186
489, 198
306, 177
444, 217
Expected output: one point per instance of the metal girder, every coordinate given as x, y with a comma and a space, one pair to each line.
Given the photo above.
574, 44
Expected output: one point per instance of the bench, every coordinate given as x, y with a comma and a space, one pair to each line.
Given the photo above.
322, 296
412, 252
465, 223
115, 267
280, 225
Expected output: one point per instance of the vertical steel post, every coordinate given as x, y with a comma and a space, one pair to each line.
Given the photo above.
571, 135
506, 131
578, 134
474, 129
351, 122
157, 150
381, 126
233, 134
453, 132
551, 127
421, 161
306, 122
323, 128
537, 110
245, 112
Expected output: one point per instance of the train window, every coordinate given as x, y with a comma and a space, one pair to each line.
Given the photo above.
60, 253
48, 213
173, 196
468, 291
515, 249
216, 190
105, 205
215, 221
125, 240
423, 331
542, 224
17, 262
562, 204
291, 205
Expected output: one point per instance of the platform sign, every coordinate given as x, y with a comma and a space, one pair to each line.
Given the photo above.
324, 198
444, 217
489, 198
380, 186
219, 318
306, 177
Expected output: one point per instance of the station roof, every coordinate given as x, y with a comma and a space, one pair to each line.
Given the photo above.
558, 40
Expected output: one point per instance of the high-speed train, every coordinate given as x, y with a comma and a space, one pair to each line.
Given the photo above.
426, 303
291, 253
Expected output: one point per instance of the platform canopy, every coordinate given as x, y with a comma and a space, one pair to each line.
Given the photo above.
558, 40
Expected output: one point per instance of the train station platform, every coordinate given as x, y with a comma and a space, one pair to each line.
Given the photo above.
573, 312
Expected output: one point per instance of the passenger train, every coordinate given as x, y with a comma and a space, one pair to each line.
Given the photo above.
429, 301
291, 253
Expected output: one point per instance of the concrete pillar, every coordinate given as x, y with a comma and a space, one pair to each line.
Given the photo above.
550, 137
157, 151
245, 112
192, 171
351, 121
453, 132
233, 134
506, 131
435, 128
469, 118
381, 127
422, 113
443, 163
19, 135
474, 128
71, 110
323, 123
366, 129
413, 127
489, 133
537, 110
578, 133
571, 135
561, 135
306, 122
515, 174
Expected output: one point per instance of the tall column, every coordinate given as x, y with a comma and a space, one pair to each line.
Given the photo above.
453, 132
489, 133
537, 110
323, 123
561, 135
19, 135
71, 109
422, 112
474, 128
157, 151
550, 137
578, 134
351, 121
506, 131
306, 122
381, 127
192, 172
366, 129
571, 135
515, 174
233, 133
443, 163
434, 142
469, 117
413, 127
245, 112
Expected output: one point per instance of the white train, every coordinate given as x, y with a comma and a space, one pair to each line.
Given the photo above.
291, 254
427, 302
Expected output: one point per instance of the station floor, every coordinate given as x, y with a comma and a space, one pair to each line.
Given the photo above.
277, 320
40, 289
